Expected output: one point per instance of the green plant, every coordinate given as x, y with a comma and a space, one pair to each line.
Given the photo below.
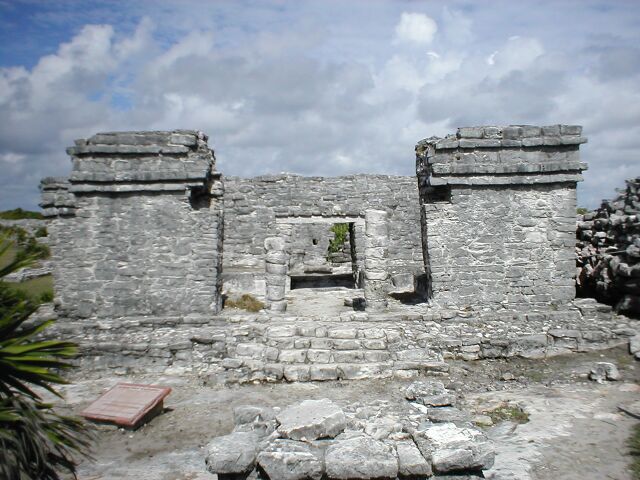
340, 235
509, 412
245, 302
41, 232
19, 214
35, 441
581, 210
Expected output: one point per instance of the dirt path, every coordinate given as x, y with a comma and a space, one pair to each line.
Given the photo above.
574, 430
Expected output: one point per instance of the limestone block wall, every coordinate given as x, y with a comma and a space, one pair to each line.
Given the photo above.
498, 215
136, 230
256, 208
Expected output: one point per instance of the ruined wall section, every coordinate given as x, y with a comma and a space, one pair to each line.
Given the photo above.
137, 228
499, 215
256, 208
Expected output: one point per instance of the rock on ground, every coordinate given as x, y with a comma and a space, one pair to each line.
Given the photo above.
602, 371
360, 457
430, 394
290, 460
311, 419
232, 454
454, 449
411, 463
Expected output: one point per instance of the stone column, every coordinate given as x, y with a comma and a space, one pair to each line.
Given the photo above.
275, 273
376, 252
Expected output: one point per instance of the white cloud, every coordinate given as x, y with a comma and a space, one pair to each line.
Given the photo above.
416, 28
272, 98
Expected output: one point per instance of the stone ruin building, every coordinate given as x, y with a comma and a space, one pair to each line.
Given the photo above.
474, 258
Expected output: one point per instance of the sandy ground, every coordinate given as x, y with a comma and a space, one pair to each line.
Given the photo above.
574, 431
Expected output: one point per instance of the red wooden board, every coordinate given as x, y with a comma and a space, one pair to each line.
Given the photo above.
127, 404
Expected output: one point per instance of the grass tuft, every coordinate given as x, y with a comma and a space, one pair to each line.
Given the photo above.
245, 302
508, 412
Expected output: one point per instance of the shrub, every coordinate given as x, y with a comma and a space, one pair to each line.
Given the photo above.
41, 232
20, 214
341, 233
35, 441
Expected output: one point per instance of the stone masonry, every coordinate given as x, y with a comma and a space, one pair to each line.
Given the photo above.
498, 214
136, 229
487, 231
376, 251
275, 273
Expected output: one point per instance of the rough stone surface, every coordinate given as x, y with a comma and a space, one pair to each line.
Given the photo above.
361, 457
602, 371
232, 454
454, 449
290, 460
608, 246
430, 393
311, 419
411, 463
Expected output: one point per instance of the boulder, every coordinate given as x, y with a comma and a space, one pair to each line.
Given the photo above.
232, 454
452, 449
446, 414
311, 419
430, 394
244, 414
411, 463
360, 457
602, 371
290, 460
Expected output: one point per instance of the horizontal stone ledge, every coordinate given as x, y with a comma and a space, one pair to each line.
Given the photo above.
505, 180
522, 167
127, 149
467, 143
133, 187
177, 137
161, 176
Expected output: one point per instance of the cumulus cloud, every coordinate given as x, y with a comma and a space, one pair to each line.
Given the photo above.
274, 98
416, 28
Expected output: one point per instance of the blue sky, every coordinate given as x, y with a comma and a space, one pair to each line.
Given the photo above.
315, 87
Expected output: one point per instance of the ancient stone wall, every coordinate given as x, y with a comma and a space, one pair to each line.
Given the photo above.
498, 209
136, 230
256, 208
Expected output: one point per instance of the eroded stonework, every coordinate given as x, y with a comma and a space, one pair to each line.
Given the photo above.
472, 259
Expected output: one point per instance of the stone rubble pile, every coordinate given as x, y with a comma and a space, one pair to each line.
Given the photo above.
316, 439
608, 251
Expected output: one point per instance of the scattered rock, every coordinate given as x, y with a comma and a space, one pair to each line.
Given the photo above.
361, 457
446, 414
602, 371
430, 393
290, 460
411, 463
507, 377
454, 449
482, 420
311, 419
632, 409
381, 428
232, 454
249, 414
